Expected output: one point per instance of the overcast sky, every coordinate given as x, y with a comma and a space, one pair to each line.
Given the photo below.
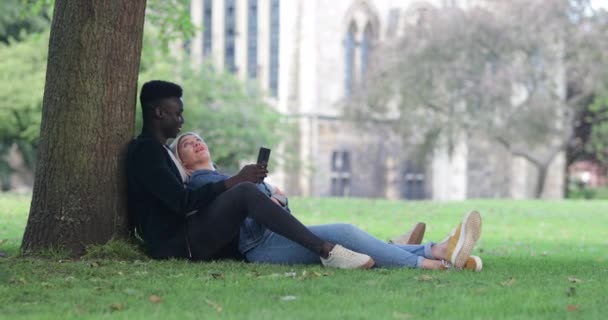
600, 3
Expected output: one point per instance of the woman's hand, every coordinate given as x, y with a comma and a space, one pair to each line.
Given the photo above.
278, 191
276, 201
250, 173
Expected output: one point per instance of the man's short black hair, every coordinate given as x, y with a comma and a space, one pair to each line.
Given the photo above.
154, 90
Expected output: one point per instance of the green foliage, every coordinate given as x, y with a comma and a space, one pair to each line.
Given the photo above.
598, 139
16, 20
172, 17
22, 73
542, 260
577, 192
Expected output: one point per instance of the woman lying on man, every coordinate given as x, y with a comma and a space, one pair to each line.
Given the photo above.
260, 245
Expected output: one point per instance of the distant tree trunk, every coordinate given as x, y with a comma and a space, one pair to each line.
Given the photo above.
87, 120
540, 181
540, 163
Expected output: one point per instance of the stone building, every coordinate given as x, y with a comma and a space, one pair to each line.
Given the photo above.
308, 55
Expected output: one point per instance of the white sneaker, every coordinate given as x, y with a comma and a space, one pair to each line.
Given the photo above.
342, 258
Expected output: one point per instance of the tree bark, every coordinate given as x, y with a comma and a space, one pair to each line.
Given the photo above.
88, 117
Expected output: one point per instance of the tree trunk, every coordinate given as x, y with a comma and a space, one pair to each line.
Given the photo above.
540, 181
88, 116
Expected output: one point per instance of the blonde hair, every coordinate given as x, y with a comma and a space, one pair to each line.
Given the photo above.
185, 173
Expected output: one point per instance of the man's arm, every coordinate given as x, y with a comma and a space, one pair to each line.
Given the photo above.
152, 171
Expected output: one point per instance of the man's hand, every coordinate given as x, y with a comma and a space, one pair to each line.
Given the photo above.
250, 173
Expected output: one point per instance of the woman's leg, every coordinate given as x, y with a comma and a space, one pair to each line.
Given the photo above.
278, 249
218, 225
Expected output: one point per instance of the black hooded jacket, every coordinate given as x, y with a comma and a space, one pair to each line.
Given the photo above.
159, 201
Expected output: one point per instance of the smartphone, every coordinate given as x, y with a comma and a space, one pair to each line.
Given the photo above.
263, 155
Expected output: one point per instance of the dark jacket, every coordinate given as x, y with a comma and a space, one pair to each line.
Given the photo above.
159, 201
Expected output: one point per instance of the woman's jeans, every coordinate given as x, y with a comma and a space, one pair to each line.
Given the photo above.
277, 249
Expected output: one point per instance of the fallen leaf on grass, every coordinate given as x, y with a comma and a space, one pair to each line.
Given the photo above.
254, 274
313, 274
117, 306
424, 277
508, 283
79, 309
214, 305
270, 276
571, 291
17, 281
572, 307
402, 316
574, 280
131, 292
217, 275
155, 299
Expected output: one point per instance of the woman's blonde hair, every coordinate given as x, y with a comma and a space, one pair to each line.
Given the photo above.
175, 149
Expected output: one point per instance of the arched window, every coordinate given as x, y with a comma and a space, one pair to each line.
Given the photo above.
349, 59
366, 46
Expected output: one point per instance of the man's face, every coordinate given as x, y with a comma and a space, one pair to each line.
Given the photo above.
171, 119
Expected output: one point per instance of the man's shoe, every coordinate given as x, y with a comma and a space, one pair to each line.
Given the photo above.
473, 263
414, 236
342, 258
463, 239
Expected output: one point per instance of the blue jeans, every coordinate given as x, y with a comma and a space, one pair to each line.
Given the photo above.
274, 248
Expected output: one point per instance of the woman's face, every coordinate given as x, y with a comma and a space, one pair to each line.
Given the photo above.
192, 151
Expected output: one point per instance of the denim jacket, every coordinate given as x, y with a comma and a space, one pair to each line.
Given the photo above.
251, 233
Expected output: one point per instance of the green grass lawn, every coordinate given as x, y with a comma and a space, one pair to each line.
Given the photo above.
542, 260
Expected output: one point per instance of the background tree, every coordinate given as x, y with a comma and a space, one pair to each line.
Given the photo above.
516, 72
21, 17
87, 120
22, 71
22, 84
